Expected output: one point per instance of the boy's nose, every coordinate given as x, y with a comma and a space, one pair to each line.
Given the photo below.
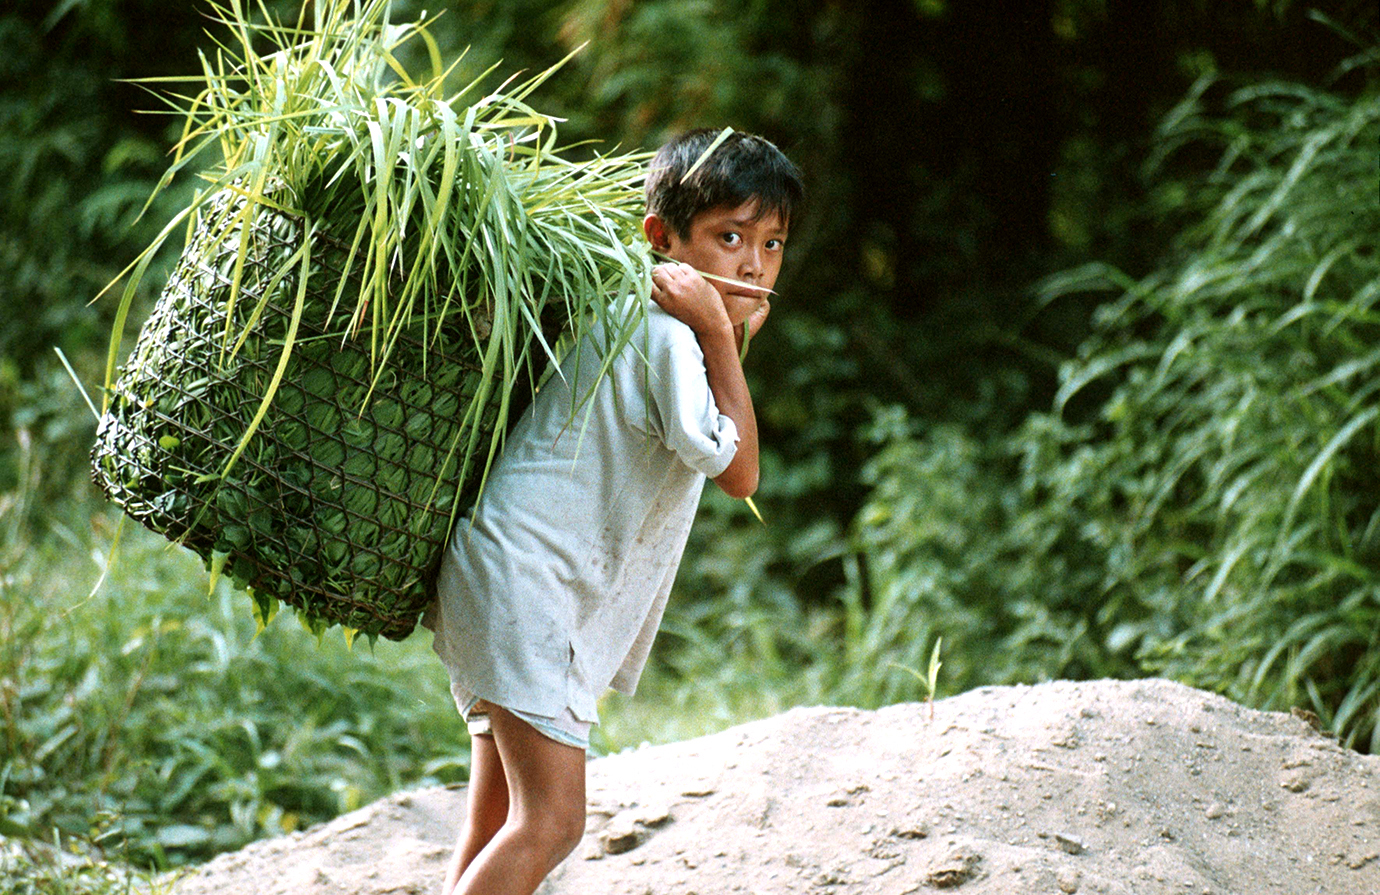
752, 265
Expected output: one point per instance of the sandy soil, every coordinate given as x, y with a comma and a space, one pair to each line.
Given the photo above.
1114, 788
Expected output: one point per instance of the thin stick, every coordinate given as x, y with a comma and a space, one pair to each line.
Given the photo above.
704, 156
73, 373
711, 276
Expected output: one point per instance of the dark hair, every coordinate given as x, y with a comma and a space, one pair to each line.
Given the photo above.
741, 168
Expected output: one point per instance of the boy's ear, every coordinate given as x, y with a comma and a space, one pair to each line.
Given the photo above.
657, 233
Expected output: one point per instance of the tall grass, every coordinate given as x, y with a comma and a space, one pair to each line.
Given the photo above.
151, 719
1204, 499
362, 225
460, 211
1242, 432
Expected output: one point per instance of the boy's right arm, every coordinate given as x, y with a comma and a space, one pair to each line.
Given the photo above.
684, 294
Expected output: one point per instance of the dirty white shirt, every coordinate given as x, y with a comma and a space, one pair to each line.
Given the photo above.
552, 589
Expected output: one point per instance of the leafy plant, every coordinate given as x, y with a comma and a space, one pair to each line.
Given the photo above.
149, 719
448, 203
930, 679
946, 544
68, 868
1239, 438
1202, 502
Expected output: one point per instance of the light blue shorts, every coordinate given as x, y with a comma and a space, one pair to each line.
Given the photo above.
566, 730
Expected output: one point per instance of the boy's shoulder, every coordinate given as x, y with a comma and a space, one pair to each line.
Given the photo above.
658, 344
663, 323
670, 336
652, 327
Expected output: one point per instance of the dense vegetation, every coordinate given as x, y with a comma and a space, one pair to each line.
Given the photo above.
1075, 367
1201, 501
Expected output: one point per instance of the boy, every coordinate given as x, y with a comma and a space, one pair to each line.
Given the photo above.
553, 590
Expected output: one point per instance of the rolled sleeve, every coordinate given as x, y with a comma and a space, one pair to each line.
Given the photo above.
712, 453
691, 425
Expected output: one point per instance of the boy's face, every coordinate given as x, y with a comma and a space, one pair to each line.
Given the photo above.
727, 242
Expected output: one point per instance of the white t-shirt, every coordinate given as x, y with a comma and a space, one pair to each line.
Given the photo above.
553, 587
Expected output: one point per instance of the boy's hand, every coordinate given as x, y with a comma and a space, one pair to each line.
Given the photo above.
681, 292
757, 318
686, 295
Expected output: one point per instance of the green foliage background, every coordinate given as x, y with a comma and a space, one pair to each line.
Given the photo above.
1074, 365
1202, 500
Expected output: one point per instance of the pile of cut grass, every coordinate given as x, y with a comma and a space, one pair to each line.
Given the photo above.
369, 280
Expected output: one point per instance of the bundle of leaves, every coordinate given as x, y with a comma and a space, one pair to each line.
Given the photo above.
368, 281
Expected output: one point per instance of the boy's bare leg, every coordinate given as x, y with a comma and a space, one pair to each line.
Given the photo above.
546, 811
486, 807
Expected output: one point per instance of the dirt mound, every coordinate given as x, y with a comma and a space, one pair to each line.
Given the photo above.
1114, 788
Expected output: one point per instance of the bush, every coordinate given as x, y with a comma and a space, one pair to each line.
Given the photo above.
1241, 435
1204, 500
150, 716
948, 547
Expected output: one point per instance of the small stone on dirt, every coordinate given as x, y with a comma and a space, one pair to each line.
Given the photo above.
955, 869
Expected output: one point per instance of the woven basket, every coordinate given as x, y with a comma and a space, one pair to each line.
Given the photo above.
340, 505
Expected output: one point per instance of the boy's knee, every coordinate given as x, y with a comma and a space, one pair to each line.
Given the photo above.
554, 830
569, 830
561, 830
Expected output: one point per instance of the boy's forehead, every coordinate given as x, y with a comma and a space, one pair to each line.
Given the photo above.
747, 213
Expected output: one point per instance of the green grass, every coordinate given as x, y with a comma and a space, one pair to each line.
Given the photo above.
40, 868
353, 212
1201, 502
149, 715
147, 726
1235, 453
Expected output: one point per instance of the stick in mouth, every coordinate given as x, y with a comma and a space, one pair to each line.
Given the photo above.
710, 276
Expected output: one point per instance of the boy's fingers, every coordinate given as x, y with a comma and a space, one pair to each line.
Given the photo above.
672, 269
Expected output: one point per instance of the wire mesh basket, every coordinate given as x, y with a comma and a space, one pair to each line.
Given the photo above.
341, 502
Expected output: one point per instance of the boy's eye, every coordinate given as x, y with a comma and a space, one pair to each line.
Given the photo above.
732, 238
776, 245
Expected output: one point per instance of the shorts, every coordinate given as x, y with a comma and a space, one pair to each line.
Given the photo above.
566, 730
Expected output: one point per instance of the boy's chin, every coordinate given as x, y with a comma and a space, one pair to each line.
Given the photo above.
740, 308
